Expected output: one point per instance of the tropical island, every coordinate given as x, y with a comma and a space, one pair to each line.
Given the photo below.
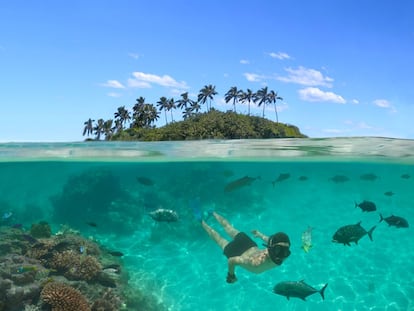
210, 124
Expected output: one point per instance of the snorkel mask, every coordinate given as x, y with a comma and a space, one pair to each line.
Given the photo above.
278, 247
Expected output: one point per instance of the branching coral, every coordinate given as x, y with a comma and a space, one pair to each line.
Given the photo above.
76, 266
62, 297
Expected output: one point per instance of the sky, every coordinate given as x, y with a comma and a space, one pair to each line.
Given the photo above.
343, 68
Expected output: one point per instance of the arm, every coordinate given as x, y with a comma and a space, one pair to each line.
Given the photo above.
260, 235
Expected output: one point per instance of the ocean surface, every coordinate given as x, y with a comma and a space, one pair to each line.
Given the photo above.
296, 183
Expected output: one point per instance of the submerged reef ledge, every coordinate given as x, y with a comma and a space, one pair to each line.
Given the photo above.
65, 272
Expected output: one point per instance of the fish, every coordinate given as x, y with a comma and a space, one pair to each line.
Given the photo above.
339, 179
116, 253
366, 206
92, 224
395, 221
6, 215
351, 233
303, 178
389, 193
368, 177
164, 215
17, 226
298, 289
23, 269
405, 176
280, 178
307, 239
239, 183
145, 181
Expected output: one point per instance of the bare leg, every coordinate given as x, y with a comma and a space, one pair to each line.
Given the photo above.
231, 231
222, 242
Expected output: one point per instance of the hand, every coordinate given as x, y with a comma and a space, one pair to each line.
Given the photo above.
231, 278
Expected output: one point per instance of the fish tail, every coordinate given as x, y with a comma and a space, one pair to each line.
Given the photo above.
356, 204
370, 232
381, 218
322, 291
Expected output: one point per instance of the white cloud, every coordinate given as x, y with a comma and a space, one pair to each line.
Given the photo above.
306, 76
133, 55
145, 80
383, 103
244, 62
355, 101
113, 94
279, 55
113, 84
314, 94
252, 77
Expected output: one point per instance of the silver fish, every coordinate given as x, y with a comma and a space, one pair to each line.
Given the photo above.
164, 215
297, 289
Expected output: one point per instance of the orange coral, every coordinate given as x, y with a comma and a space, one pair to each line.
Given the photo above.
62, 297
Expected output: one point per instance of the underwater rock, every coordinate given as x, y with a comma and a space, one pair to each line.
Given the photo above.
62, 297
41, 230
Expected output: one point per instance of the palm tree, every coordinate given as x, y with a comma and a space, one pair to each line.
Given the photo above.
184, 102
108, 129
262, 98
163, 104
233, 94
248, 97
170, 107
99, 129
137, 112
151, 114
122, 115
273, 97
88, 129
207, 93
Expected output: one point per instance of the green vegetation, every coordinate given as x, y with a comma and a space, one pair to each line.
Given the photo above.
212, 124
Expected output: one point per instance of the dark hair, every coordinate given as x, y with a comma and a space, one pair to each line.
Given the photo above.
277, 252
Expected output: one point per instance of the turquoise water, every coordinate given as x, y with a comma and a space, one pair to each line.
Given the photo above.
73, 184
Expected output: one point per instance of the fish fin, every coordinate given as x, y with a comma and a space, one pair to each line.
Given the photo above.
273, 183
370, 232
322, 291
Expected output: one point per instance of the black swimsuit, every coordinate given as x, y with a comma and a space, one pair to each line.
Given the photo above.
239, 245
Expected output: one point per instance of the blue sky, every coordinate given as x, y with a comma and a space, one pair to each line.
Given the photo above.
343, 68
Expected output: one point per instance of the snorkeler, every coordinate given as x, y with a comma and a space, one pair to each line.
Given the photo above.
244, 252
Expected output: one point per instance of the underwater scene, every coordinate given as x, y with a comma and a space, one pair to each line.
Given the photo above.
117, 226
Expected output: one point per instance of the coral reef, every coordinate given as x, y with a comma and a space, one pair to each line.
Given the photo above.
41, 230
18, 281
62, 297
76, 266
